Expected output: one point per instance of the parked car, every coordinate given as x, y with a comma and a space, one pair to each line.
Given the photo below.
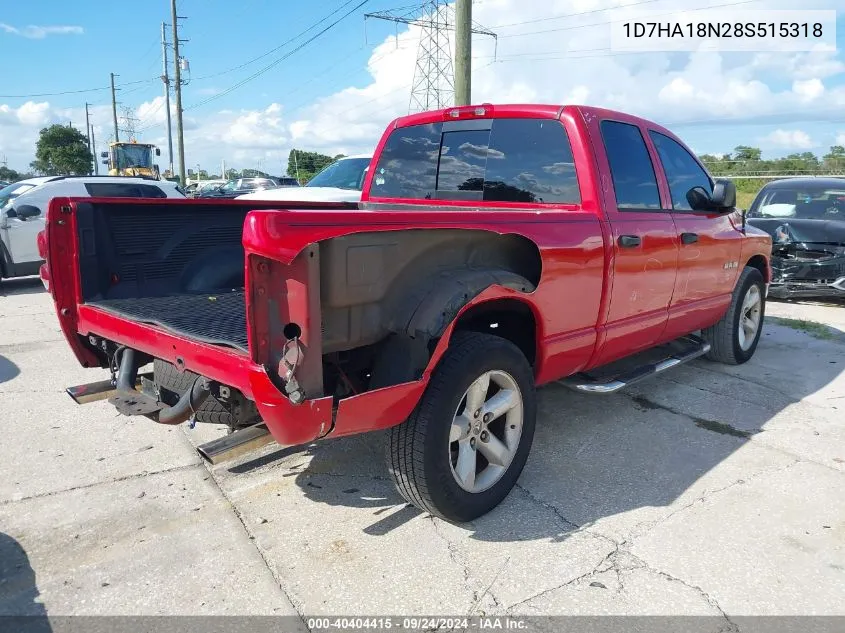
3, 183
806, 219
23, 209
240, 186
194, 189
341, 181
496, 248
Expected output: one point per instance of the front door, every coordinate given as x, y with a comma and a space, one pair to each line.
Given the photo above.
710, 244
645, 243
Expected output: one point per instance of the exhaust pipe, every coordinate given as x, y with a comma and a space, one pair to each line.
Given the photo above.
235, 444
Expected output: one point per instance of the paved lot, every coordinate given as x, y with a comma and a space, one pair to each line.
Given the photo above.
711, 490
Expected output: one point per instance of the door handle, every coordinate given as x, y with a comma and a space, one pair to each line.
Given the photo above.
689, 238
629, 241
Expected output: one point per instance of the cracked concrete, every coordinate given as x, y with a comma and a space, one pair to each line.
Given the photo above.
710, 491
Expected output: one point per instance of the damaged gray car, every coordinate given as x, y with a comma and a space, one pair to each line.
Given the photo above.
806, 219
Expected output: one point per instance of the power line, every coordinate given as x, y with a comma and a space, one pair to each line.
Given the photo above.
279, 60
279, 47
76, 92
606, 22
571, 15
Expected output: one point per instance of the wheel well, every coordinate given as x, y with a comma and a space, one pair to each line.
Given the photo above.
759, 262
509, 319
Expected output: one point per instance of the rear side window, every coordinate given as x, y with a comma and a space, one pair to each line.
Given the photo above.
513, 160
630, 166
123, 190
682, 171
530, 160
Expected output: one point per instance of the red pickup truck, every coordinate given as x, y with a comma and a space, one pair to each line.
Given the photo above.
496, 248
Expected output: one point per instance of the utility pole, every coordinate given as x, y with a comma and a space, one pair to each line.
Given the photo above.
114, 109
180, 138
88, 133
463, 52
166, 79
96, 158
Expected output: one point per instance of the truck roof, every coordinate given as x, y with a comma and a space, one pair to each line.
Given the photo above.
519, 110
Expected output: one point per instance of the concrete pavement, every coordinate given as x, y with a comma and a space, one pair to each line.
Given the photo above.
711, 490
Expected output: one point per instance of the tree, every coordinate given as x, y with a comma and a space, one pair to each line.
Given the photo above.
10, 175
747, 154
305, 165
62, 150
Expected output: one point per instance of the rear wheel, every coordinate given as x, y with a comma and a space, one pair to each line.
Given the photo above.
733, 340
464, 446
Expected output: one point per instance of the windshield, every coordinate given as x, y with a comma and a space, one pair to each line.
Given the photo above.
229, 186
126, 156
805, 202
10, 192
343, 174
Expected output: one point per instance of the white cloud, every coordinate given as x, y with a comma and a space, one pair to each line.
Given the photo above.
788, 140
840, 139
35, 32
808, 89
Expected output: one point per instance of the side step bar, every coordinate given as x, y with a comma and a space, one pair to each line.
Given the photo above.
583, 384
235, 444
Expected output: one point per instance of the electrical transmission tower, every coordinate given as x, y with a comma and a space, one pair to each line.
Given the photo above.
434, 77
129, 121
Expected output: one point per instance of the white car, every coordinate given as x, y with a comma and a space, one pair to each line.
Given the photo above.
23, 207
341, 181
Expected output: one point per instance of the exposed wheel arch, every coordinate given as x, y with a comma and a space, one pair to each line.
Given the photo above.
510, 319
759, 262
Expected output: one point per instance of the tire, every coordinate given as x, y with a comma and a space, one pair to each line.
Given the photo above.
726, 341
421, 451
167, 376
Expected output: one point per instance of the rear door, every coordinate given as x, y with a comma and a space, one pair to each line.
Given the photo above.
645, 242
709, 243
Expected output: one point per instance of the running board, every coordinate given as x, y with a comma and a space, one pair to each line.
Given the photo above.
235, 444
583, 384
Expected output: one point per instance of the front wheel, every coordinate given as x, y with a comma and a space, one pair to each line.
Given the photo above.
734, 338
464, 446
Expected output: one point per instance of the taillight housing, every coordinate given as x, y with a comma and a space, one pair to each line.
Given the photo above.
44, 271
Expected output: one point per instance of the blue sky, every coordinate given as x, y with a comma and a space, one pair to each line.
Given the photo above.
338, 93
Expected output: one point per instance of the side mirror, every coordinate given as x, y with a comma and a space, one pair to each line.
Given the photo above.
724, 194
26, 211
158, 152
104, 154
722, 200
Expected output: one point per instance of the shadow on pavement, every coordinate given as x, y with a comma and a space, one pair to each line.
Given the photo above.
19, 606
593, 456
8, 369
21, 286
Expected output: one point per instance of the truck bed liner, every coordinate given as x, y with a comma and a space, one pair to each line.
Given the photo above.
219, 319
